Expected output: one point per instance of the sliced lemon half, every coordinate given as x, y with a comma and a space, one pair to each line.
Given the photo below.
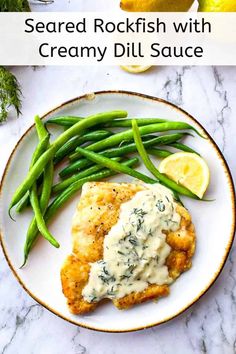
188, 169
135, 69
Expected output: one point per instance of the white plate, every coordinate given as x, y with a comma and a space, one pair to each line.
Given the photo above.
214, 221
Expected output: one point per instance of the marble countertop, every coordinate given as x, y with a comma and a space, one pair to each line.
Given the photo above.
209, 94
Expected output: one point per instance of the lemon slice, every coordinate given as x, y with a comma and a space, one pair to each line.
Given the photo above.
135, 69
188, 169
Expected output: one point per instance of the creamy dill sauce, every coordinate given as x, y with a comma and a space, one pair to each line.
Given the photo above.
135, 249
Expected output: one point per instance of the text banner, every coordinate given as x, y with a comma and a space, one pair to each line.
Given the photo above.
117, 39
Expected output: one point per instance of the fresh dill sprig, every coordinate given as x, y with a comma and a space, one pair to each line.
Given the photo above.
19, 5
10, 93
14, 6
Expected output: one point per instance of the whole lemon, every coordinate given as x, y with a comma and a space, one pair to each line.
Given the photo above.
156, 5
217, 6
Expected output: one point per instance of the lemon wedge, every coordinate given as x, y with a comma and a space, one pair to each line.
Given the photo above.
188, 169
135, 69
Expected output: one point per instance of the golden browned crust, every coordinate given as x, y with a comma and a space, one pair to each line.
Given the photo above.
151, 293
182, 243
97, 211
74, 276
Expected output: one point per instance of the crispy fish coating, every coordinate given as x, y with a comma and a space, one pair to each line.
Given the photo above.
97, 211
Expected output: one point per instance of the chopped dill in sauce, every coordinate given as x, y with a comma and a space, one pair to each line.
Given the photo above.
135, 249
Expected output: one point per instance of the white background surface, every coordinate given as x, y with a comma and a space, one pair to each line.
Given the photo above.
207, 93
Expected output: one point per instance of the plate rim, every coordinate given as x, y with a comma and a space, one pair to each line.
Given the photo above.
229, 181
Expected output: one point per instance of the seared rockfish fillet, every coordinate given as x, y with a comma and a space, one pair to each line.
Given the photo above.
114, 253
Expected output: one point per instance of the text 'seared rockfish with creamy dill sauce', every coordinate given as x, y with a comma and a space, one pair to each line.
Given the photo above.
130, 242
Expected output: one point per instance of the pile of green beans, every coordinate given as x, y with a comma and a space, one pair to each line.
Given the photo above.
94, 150
48, 155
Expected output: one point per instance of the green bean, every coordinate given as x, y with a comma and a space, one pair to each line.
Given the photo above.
159, 153
68, 121
140, 121
115, 166
44, 199
62, 198
23, 203
147, 129
87, 172
38, 167
150, 166
39, 218
41, 130
41, 147
72, 144
45, 195
46, 186
123, 150
144, 138
77, 165
183, 147
65, 121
